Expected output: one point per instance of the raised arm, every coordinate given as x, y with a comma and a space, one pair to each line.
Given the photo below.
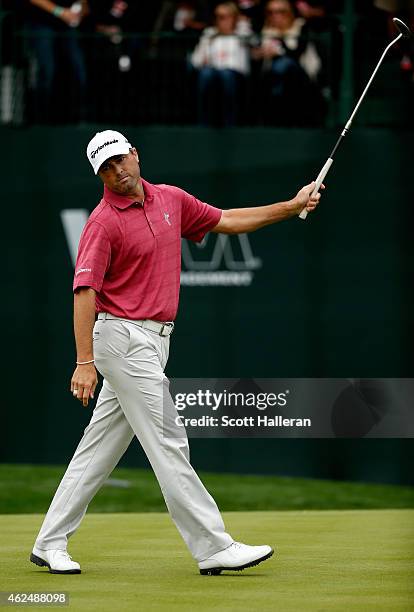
243, 220
84, 379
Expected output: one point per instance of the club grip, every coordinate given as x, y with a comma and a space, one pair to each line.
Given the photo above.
319, 182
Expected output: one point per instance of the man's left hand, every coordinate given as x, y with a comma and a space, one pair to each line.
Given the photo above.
303, 199
83, 383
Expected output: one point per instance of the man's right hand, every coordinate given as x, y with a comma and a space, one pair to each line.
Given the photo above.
83, 383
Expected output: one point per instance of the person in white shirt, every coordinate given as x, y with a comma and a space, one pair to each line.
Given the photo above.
222, 59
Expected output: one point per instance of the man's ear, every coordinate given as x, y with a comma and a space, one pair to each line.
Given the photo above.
135, 153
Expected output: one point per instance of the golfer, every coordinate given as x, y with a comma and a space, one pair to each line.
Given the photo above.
128, 272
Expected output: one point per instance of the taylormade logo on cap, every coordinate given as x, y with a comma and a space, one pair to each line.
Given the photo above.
105, 145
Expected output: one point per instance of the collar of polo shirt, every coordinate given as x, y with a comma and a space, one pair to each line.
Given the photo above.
124, 201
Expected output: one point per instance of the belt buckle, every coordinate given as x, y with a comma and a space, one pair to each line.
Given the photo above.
171, 325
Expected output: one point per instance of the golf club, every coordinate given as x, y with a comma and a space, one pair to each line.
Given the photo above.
404, 32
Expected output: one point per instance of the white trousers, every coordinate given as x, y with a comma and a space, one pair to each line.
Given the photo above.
134, 400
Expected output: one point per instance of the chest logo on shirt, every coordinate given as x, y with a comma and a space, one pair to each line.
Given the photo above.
167, 218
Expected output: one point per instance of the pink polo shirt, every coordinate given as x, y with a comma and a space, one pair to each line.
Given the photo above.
131, 253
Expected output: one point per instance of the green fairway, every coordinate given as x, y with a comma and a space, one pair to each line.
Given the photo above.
325, 560
29, 488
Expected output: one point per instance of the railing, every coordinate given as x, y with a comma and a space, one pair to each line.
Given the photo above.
133, 78
147, 79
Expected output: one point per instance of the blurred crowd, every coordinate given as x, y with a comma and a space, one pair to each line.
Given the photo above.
224, 61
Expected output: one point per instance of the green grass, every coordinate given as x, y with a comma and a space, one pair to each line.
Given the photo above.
25, 488
325, 560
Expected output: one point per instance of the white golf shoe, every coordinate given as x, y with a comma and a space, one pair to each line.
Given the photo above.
58, 561
237, 556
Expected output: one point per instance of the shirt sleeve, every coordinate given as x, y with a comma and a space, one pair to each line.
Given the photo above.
197, 218
94, 257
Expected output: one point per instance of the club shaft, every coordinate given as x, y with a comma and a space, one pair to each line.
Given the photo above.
349, 122
347, 127
354, 112
338, 142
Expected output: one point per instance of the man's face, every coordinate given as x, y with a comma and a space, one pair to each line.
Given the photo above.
120, 173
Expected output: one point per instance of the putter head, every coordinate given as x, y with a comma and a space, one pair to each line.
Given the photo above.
402, 28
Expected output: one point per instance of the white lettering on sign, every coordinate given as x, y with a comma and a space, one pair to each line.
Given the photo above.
230, 261
73, 221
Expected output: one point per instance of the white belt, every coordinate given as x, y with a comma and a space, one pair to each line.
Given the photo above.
162, 329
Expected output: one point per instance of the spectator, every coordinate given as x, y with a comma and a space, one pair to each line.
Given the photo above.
111, 57
182, 16
222, 60
53, 28
310, 10
109, 17
325, 41
289, 64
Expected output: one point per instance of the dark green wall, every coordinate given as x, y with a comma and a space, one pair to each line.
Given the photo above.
333, 297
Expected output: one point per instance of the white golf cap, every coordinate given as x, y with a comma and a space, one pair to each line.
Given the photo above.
104, 145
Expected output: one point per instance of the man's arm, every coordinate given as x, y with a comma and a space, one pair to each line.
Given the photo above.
84, 378
242, 220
